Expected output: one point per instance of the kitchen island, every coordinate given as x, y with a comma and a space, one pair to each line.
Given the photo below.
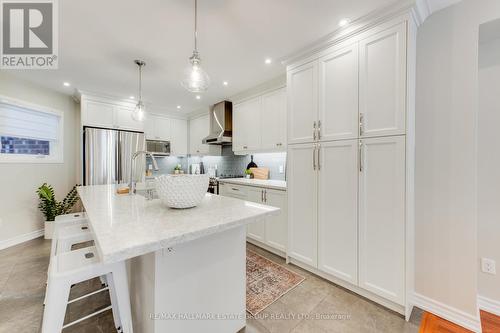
187, 268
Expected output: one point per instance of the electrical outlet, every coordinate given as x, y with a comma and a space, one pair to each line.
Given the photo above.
488, 266
281, 169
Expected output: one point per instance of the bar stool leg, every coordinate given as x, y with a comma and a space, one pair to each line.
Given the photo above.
55, 307
120, 284
114, 301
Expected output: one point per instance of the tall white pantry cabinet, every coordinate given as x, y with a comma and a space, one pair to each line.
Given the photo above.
351, 160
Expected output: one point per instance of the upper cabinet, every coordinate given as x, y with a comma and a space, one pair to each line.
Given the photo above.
325, 103
157, 128
302, 87
259, 124
179, 134
382, 83
198, 130
338, 95
109, 115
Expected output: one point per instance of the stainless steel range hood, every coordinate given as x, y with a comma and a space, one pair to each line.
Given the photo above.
221, 124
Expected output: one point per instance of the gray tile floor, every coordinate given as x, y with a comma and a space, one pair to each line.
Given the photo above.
314, 306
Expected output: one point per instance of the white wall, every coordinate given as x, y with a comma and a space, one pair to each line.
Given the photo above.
488, 166
446, 111
19, 214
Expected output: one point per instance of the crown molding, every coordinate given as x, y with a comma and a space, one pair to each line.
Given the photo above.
418, 10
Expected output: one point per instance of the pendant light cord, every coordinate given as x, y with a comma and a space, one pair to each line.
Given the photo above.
196, 26
140, 82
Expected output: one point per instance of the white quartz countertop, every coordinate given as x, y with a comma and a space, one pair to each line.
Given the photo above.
125, 226
267, 183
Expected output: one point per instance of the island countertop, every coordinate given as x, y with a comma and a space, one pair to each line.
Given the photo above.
125, 226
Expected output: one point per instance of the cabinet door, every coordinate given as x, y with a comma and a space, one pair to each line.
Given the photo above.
338, 209
149, 127
302, 203
256, 230
302, 102
273, 121
246, 125
124, 120
162, 129
98, 114
382, 82
178, 144
338, 94
382, 217
276, 226
195, 136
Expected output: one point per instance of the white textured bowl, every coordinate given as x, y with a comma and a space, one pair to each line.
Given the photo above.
182, 191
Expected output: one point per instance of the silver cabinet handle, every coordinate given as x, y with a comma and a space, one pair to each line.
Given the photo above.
314, 157
262, 195
235, 189
319, 158
314, 130
319, 129
361, 123
245, 147
360, 156
265, 195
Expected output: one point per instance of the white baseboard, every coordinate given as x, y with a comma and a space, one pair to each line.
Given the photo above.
20, 239
489, 305
447, 312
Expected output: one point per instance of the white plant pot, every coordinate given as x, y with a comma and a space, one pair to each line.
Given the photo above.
49, 229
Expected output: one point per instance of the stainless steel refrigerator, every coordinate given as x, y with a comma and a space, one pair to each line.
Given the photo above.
107, 156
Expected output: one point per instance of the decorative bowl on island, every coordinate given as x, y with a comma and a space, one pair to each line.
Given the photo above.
182, 191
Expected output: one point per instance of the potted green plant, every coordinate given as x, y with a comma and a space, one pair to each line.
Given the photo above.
51, 208
178, 169
248, 173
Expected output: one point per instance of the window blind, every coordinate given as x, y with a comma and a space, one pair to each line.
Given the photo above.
27, 123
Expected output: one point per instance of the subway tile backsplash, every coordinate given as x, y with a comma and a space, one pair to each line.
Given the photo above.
227, 164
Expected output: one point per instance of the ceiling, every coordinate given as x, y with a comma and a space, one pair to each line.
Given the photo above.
100, 39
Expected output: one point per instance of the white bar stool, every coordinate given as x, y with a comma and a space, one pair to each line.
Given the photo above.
65, 236
80, 265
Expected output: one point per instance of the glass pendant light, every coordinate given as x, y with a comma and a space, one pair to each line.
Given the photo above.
139, 112
195, 79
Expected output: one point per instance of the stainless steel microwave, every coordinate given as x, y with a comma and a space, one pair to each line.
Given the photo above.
158, 147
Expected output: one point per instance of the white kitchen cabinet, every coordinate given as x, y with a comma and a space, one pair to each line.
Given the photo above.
338, 209
338, 94
198, 130
109, 115
257, 230
302, 203
247, 125
382, 217
382, 82
276, 226
97, 114
271, 231
157, 128
273, 120
179, 135
302, 102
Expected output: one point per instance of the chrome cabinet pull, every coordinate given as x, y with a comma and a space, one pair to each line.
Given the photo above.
262, 195
314, 130
319, 130
319, 158
360, 156
314, 157
361, 124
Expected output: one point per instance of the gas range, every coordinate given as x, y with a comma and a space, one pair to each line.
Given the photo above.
213, 184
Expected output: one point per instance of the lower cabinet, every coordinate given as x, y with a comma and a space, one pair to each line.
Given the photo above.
270, 231
346, 204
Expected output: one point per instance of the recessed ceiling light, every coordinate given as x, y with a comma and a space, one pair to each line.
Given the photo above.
344, 22
66, 84
132, 97
178, 106
198, 97
225, 83
268, 61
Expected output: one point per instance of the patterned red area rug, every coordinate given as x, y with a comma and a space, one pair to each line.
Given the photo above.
267, 282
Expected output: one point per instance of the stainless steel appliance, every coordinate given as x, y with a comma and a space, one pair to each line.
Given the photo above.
221, 124
108, 154
158, 147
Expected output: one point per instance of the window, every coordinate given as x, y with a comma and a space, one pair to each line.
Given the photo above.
29, 133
